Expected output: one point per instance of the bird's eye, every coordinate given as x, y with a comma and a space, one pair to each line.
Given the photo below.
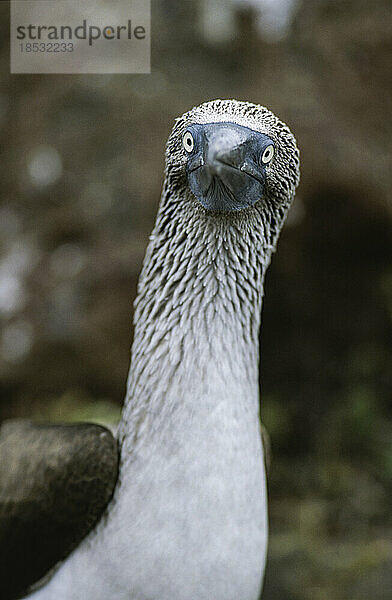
188, 142
268, 154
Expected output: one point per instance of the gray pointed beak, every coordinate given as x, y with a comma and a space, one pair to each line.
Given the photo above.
224, 174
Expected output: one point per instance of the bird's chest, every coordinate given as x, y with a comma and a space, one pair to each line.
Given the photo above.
194, 514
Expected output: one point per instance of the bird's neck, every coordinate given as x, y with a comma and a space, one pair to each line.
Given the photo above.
197, 320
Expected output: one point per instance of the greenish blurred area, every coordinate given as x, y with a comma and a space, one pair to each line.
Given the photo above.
81, 171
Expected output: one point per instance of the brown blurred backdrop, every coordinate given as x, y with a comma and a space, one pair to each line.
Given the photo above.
81, 172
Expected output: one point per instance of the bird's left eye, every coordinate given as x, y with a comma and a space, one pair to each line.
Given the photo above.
188, 142
268, 154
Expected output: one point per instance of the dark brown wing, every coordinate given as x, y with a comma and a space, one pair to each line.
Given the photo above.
55, 482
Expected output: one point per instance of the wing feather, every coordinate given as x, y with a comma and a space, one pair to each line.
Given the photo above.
55, 482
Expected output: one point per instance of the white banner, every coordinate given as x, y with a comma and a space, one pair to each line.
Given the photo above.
74, 36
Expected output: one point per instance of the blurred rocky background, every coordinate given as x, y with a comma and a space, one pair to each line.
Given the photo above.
81, 162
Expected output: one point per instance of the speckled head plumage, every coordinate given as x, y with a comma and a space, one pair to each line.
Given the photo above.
260, 159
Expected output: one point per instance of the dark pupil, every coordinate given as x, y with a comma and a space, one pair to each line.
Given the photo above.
189, 142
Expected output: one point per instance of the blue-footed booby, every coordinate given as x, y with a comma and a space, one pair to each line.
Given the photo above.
175, 506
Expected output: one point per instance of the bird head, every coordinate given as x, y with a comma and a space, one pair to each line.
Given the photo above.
230, 156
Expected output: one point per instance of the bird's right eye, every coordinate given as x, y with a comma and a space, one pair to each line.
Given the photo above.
188, 142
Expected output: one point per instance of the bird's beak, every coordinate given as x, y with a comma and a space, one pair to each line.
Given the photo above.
223, 175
